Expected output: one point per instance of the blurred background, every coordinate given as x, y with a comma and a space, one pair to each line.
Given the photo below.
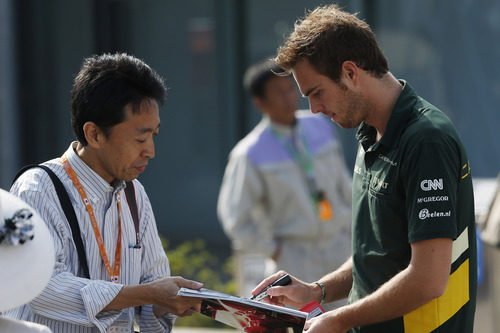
447, 50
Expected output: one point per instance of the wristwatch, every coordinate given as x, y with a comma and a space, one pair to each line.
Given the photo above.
323, 291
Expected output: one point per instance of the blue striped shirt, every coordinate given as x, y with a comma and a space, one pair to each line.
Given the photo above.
70, 303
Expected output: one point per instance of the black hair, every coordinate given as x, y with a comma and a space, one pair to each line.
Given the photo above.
105, 85
258, 75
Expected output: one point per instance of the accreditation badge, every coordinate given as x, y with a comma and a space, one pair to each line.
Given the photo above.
325, 211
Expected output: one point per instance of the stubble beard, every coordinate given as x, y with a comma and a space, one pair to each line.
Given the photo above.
355, 110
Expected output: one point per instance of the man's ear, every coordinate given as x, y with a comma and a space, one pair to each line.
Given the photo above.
93, 134
350, 72
259, 102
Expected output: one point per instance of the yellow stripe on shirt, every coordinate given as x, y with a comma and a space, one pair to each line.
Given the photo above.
466, 167
433, 314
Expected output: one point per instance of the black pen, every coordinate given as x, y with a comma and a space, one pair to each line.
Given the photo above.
282, 281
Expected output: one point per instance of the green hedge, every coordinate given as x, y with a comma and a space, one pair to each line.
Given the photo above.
192, 260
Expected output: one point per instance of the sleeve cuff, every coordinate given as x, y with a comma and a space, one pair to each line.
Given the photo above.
96, 295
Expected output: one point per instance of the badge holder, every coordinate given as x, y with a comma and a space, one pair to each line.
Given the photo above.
325, 211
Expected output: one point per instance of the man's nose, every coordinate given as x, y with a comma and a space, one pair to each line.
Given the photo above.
314, 107
149, 152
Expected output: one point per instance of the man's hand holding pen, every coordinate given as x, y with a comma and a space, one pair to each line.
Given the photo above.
295, 292
298, 294
282, 281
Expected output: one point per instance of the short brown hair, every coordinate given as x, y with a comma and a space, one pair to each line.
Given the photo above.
327, 37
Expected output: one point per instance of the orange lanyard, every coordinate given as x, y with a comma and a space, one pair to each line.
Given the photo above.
114, 273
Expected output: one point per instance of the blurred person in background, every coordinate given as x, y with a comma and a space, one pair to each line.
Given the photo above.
413, 266
491, 221
115, 117
285, 197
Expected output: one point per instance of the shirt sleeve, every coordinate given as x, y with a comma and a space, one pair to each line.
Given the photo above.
66, 298
154, 265
240, 197
432, 172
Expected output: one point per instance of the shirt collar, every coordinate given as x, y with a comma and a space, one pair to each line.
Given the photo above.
400, 116
95, 186
280, 129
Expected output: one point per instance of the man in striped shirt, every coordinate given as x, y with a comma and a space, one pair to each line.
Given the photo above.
115, 117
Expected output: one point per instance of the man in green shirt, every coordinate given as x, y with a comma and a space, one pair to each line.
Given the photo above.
413, 264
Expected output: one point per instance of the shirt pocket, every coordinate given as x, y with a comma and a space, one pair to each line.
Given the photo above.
133, 265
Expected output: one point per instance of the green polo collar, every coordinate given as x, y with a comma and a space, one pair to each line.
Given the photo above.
397, 121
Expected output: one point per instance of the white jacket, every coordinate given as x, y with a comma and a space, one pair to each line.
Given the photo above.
264, 198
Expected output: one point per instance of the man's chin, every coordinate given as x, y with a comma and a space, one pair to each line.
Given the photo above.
345, 125
130, 177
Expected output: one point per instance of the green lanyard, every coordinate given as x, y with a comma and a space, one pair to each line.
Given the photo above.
302, 157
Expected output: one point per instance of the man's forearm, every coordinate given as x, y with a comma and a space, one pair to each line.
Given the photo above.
130, 296
161, 293
338, 283
423, 280
397, 297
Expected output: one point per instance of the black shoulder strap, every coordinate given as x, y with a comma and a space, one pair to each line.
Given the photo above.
132, 204
68, 211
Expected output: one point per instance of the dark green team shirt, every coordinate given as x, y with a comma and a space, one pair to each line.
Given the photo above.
412, 185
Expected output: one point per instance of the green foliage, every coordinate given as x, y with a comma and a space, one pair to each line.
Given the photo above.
193, 261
